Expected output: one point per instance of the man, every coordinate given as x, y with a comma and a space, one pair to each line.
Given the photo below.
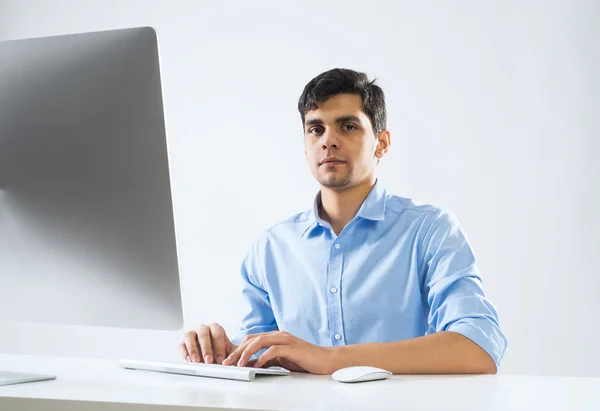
364, 277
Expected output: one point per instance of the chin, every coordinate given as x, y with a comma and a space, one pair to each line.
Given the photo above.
336, 183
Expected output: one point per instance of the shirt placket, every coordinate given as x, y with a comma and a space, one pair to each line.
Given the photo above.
334, 297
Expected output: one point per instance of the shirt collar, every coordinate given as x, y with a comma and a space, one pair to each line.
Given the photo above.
372, 208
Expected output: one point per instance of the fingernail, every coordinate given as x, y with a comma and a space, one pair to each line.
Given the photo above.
196, 358
187, 358
208, 358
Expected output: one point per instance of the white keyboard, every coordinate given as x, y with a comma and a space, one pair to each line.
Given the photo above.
9, 377
229, 372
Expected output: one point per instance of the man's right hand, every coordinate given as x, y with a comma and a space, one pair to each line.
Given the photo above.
207, 343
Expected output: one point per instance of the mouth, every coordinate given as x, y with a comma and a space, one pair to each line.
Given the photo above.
331, 162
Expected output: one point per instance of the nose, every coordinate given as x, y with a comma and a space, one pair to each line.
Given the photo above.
330, 140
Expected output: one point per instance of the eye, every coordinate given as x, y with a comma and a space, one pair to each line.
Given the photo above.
316, 130
349, 127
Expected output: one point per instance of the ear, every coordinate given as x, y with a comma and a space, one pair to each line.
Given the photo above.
384, 140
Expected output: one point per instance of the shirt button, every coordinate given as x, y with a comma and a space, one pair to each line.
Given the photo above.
333, 290
337, 246
337, 337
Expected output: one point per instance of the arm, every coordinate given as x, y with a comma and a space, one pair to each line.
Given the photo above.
257, 314
453, 288
465, 336
445, 352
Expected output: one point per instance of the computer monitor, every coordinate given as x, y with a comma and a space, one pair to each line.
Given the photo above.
87, 234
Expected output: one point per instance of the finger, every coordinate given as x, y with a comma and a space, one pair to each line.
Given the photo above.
205, 344
183, 352
235, 354
251, 349
270, 355
258, 344
229, 347
278, 362
191, 344
217, 334
271, 363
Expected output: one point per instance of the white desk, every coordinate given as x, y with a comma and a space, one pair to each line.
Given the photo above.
103, 385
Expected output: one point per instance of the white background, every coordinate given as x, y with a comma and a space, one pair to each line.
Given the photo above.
494, 113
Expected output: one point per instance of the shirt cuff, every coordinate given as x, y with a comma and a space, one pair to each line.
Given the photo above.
491, 340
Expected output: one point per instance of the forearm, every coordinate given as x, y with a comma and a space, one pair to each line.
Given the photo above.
440, 353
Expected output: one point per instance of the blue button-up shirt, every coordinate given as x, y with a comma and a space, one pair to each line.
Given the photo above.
398, 270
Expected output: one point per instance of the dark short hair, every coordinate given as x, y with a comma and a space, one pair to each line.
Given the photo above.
345, 81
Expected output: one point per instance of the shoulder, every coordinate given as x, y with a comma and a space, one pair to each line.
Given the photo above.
430, 217
291, 226
282, 230
396, 205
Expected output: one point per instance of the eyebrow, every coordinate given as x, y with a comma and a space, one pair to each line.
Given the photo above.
341, 119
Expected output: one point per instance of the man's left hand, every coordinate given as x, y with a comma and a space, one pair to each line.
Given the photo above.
285, 350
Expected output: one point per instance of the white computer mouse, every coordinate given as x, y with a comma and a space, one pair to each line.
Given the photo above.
360, 374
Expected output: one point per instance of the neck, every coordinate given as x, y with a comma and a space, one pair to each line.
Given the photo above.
338, 207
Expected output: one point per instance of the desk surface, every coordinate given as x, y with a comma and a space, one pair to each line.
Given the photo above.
103, 385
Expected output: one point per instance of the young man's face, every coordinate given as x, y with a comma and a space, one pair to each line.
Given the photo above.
339, 129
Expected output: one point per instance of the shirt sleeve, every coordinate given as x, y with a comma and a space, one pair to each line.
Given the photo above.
257, 314
453, 288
